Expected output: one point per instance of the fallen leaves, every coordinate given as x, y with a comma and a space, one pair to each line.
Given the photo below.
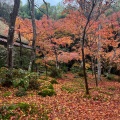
100, 105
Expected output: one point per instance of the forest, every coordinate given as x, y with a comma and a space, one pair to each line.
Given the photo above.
60, 62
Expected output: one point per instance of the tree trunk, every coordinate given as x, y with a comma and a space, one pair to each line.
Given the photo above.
56, 57
20, 62
33, 52
92, 64
99, 57
13, 16
83, 42
96, 82
84, 71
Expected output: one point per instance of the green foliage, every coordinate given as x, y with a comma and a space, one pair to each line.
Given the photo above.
3, 72
75, 69
81, 73
47, 85
46, 89
5, 77
6, 111
64, 68
32, 79
21, 82
47, 92
21, 92
7, 94
3, 55
20, 78
22, 109
25, 79
32, 76
110, 77
68, 89
55, 73
34, 84
19, 73
24, 58
53, 81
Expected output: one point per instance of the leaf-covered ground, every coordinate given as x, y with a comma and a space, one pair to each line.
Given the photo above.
71, 103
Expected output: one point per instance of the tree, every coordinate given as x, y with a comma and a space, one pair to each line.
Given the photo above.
91, 10
33, 52
13, 16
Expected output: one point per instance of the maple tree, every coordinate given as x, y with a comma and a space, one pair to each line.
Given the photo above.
89, 38
90, 10
68, 33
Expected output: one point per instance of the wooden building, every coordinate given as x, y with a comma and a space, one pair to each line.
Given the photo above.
4, 33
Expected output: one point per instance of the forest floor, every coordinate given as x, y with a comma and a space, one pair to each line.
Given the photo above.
70, 103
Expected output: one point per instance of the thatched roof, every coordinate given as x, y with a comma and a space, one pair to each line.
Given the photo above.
4, 32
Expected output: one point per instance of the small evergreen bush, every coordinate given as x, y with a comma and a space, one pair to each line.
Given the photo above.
34, 84
5, 77
46, 84
47, 92
21, 92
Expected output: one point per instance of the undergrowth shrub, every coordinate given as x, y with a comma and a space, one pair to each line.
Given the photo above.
28, 80
33, 81
46, 84
28, 111
64, 68
55, 73
3, 55
53, 81
19, 73
5, 77
75, 67
81, 73
34, 84
46, 89
47, 92
110, 77
21, 92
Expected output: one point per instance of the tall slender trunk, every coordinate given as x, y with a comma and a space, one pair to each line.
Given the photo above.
33, 52
96, 81
99, 57
92, 64
84, 71
83, 59
20, 62
82, 49
56, 57
13, 16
